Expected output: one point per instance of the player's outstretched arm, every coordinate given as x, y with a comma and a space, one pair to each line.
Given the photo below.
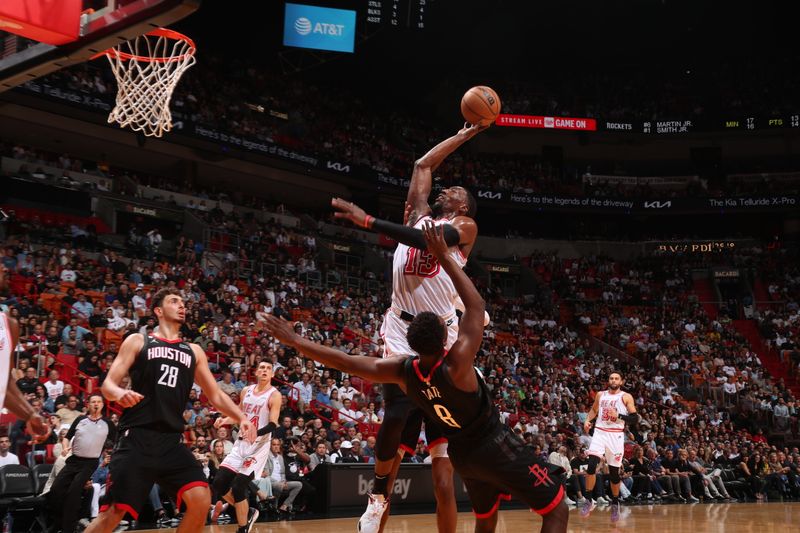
111, 389
15, 400
461, 356
380, 370
215, 395
422, 177
463, 229
227, 420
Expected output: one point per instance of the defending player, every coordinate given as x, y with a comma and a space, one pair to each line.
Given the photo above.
260, 404
10, 396
418, 284
613, 408
490, 459
162, 370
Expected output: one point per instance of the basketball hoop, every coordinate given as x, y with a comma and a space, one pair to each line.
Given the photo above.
147, 70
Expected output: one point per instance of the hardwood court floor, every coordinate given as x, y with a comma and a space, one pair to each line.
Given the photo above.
698, 518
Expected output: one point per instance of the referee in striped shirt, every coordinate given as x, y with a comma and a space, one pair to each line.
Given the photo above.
86, 440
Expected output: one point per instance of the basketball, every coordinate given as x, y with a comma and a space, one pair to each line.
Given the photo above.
480, 105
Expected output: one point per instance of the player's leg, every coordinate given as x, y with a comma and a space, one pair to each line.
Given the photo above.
222, 489
390, 479
409, 437
556, 520
197, 500
442, 472
129, 481
396, 413
615, 448
508, 462
240, 490
597, 450
485, 499
181, 474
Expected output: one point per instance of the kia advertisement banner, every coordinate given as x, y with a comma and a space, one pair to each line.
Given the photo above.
320, 28
554, 202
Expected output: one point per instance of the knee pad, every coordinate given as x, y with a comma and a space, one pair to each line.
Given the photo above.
613, 474
239, 488
593, 462
222, 482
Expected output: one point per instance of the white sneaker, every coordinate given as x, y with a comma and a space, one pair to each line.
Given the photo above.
602, 501
568, 501
370, 521
581, 500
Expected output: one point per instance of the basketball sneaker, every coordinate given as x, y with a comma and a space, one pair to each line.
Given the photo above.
615, 511
587, 507
252, 516
370, 521
216, 510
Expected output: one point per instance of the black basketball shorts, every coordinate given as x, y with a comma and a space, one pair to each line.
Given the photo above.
401, 426
143, 457
498, 466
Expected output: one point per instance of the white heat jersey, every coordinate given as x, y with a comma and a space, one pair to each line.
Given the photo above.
5, 356
419, 283
246, 458
610, 401
256, 406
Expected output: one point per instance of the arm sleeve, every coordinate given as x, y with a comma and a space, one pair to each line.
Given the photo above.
74, 427
632, 420
412, 236
269, 428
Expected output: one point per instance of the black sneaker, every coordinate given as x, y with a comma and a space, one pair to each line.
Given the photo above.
252, 516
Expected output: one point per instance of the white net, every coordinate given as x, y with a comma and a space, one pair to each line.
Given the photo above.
147, 70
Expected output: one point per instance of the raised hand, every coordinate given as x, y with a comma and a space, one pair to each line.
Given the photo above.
434, 237
349, 211
280, 329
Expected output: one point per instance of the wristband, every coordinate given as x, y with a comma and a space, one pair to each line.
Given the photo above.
368, 220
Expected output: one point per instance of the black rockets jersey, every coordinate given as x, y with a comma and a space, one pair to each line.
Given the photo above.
462, 416
163, 373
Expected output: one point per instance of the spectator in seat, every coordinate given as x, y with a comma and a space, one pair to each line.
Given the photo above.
345, 453
73, 326
82, 309
69, 412
319, 456
55, 388
346, 391
349, 417
224, 438
560, 458
226, 384
6, 457
304, 391
282, 487
27, 384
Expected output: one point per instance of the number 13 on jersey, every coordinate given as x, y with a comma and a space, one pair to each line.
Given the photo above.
421, 263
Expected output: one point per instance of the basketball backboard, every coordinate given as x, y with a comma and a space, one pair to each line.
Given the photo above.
99, 25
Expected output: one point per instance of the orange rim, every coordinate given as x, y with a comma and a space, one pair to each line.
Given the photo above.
158, 32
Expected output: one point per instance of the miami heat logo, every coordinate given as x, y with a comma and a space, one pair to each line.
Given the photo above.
248, 462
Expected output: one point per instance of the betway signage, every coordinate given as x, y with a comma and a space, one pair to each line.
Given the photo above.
542, 122
343, 486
